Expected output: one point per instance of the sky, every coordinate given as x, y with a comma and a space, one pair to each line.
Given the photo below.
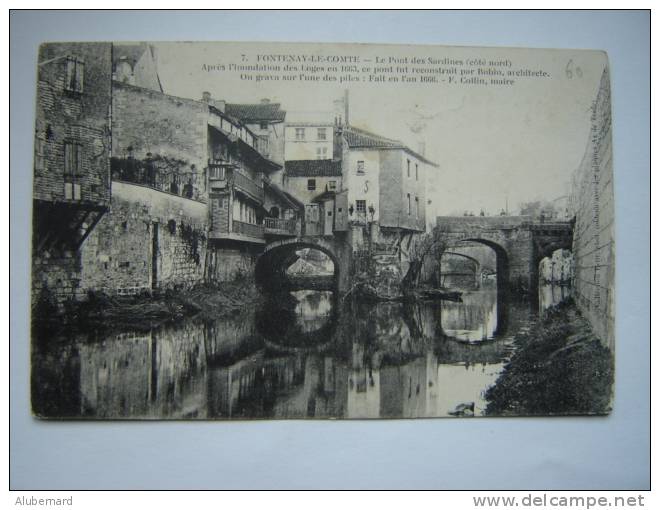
492, 144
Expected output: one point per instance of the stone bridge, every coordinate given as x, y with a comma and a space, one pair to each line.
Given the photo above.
519, 243
277, 257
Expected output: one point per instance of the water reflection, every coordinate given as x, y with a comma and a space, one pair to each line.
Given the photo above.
552, 294
295, 357
313, 309
475, 319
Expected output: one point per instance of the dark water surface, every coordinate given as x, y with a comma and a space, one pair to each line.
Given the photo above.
301, 355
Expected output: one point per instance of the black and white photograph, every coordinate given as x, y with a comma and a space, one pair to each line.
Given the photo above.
235, 231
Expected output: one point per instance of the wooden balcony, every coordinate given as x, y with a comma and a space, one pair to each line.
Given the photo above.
249, 186
240, 231
219, 172
280, 227
224, 173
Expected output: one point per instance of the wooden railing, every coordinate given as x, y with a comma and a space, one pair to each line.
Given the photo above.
280, 225
218, 169
249, 186
247, 229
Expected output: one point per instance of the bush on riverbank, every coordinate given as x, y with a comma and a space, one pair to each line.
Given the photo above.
144, 311
560, 367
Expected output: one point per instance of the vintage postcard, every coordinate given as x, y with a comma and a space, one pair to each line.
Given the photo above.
271, 230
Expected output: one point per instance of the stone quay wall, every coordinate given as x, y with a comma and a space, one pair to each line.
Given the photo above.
592, 201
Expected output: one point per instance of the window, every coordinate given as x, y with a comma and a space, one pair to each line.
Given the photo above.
332, 185
361, 207
75, 71
39, 153
300, 133
416, 172
409, 209
360, 168
263, 125
408, 167
416, 207
311, 184
321, 152
320, 134
72, 170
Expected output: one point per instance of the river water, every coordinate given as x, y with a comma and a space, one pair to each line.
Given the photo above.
300, 355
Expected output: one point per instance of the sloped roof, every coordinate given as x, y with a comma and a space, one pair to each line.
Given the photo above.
359, 138
313, 168
292, 201
326, 195
363, 139
257, 112
132, 52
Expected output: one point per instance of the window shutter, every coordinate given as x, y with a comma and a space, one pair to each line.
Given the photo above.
78, 166
70, 78
67, 160
80, 73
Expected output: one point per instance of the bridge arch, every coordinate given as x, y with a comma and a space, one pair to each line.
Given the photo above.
277, 257
463, 255
472, 266
501, 260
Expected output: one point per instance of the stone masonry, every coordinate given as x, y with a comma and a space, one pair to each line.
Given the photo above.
519, 244
71, 170
118, 257
172, 130
593, 205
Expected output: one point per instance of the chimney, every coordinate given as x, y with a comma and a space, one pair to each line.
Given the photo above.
124, 71
265, 100
339, 111
422, 148
206, 97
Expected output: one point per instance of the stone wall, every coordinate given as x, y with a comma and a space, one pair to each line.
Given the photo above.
592, 201
395, 187
231, 260
55, 279
118, 257
172, 131
363, 187
298, 186
310, 144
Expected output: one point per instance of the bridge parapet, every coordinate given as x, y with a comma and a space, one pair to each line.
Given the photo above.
456, 223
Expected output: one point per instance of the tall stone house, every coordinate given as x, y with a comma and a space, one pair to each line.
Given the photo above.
71, 188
